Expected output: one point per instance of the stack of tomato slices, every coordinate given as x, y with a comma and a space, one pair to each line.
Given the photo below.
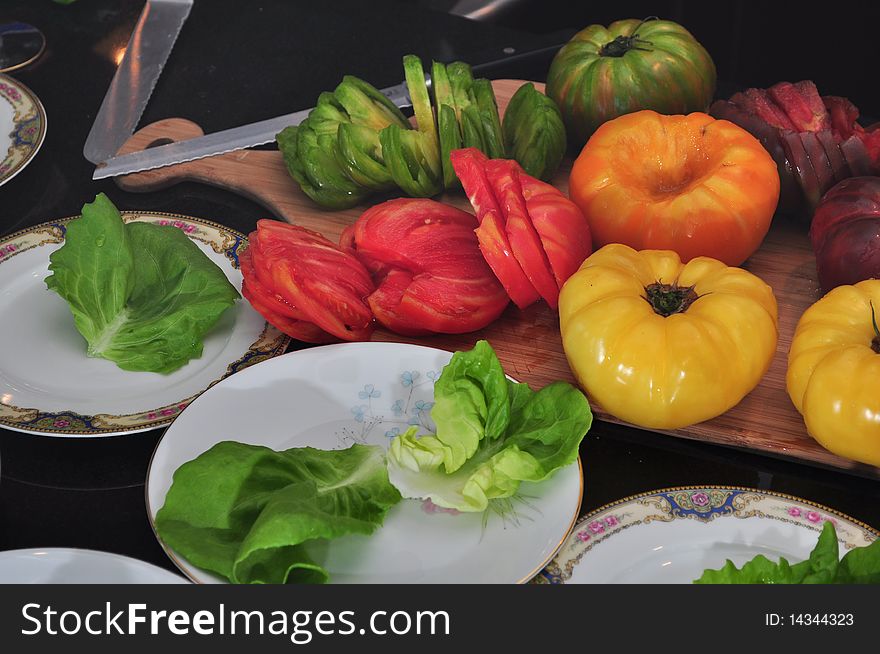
305, 285
429, 273
533, 237
418, 266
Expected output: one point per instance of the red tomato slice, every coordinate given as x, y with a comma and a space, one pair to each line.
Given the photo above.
561, 226
326, 285
433, 278
524, 240
302, 330
469, 165
498, 253
274, 309
269, 299
385, 303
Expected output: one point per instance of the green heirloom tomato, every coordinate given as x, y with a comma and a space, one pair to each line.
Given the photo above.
631, 65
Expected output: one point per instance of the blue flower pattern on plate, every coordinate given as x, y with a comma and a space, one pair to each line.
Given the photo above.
409, 377
369, 392
359, 412
404, 412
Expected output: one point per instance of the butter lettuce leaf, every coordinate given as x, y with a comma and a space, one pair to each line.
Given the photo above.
492, 434
142, 295
860, 565
246, 511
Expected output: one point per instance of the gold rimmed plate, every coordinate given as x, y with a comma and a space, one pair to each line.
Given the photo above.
22, 127
672, 535
49, 386
333, 396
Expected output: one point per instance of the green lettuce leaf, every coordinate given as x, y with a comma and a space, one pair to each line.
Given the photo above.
142, 295
245, 511
491, 435
859, 566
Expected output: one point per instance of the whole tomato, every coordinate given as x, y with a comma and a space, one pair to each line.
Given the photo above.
604, 72
692, 184
661, 344
834, 371
845, 233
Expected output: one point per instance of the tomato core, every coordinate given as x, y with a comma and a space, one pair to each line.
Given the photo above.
667, 299
623, 44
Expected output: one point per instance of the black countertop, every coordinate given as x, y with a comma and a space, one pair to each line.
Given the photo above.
235, 63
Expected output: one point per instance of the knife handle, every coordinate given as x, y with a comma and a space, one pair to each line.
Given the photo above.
257, 174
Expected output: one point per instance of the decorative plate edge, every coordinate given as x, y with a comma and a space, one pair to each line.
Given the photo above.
701, 503
270, 343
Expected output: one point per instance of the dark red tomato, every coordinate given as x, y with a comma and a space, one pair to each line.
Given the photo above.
298, 274
470, 167
845, 233
430, 275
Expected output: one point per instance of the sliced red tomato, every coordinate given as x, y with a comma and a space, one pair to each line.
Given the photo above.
469, 165
431, 276
524, 240
274, 309
294, 276
561, 226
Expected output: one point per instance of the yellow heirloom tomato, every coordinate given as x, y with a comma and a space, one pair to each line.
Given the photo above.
662, 344
834, 371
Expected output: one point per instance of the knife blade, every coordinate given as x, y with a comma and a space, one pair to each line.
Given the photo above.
260, 133
145, 55
227, 140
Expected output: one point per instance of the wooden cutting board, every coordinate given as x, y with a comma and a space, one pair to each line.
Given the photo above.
528, 342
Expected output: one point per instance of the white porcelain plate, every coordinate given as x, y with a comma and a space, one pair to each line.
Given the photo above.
673, 535
60, 565
22, 127
49, 386
330, 397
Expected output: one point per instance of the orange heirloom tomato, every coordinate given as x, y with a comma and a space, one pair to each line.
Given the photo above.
692, 184
834, 371
661, 344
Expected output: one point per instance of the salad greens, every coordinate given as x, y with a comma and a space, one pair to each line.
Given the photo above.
142, 295
492, 434
246, 512
858, 566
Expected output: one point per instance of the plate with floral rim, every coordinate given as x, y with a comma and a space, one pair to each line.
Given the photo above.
674, 534
49, 386
332, 396
64, 565
22, 127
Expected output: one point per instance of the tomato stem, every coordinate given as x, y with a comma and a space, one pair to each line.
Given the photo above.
667, 299
623, 44
875, 342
